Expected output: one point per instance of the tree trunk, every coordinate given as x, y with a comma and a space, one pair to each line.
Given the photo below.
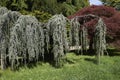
3, 61
98, 58
91, 51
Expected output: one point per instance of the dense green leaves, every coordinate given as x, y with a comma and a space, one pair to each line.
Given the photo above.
4, 3
67, 7
112, 3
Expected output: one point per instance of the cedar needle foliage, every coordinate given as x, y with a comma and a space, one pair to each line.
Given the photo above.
3, 10
99, 39
7, 21
26, 41
75, 33
84, 39
79, 35
58, 34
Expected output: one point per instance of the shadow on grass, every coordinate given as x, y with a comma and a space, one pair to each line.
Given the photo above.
31, 65
69, 61
88, 52
91, 60
113, 52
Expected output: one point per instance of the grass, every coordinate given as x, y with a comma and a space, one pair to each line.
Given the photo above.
75, 68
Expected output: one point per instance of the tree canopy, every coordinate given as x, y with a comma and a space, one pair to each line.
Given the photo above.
112, 3
67, 7
110, 16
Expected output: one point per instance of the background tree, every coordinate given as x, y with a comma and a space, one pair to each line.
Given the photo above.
110, 16
112, 3
14, 4
4, 3
67, 7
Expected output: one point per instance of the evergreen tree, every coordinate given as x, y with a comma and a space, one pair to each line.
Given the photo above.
7, 21
3, 10
26, 41
58, 35
75, 32
84, 39
99, 39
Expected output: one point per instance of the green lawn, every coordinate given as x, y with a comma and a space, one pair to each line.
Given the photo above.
76, 68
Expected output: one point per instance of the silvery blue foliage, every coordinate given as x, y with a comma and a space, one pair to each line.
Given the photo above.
24, 39
99, 39
75, 32
27, 39
7, 20
58, 33
79, 36
3, 10
84, 39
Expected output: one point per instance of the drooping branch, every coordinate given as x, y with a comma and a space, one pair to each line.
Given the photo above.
26, 41
75, 32
58, 34
7, 20
100, 39
84, 39
3, 10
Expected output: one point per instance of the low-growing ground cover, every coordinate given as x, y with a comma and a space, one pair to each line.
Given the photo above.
75, 68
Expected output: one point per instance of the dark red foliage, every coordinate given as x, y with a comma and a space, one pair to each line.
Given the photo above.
110, 16
96, 10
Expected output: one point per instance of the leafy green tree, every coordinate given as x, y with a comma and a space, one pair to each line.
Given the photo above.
71, 6
67, 7
18, 4
113, 3
40, 15
14, 4
4, 2
80, 3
